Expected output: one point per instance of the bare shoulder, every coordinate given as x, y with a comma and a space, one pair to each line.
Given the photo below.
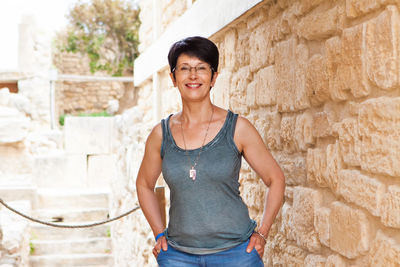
155, 137
243, 125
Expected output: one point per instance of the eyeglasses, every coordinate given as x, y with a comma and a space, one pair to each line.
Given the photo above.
200, 69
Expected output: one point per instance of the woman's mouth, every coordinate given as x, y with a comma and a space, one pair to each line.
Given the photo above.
193, 85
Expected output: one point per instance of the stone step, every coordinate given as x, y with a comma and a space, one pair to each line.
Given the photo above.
76, 246
71, 260
59, 169
18, 192
44, 232
71, 215
67, 199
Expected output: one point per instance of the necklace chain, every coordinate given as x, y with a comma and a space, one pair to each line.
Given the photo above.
192, 171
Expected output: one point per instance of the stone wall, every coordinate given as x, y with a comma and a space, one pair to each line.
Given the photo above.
73, 97
320, 81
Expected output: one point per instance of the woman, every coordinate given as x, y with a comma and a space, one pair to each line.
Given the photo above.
199, 151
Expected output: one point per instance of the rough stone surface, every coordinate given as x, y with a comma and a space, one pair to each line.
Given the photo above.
390, 207
305, 202
350, 142
349, 230
265, 86
321, 224
319, 25
379, 129
317, 82
384, 251
362, 190
290, 67
382, 49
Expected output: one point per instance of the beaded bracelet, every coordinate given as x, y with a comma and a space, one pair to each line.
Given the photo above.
159, 235
263, 236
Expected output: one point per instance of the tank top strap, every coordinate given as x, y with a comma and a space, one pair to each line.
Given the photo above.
165, 134
230, 129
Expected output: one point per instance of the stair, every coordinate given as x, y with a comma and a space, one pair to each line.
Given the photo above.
71, 247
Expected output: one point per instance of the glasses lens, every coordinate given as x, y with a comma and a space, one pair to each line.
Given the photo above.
199, 69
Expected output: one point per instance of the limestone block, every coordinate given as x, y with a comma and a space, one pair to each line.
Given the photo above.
269, 127
379, 127
287, 132
390, 207
355, 8
89, 135
305, 202
303, 131
384, 251
34, 89
337, 75
238, 89
335, 261
317, 83
349, 230
294, 168
60, 169
346, 64
319, 25
260, 48
242, 52
321, 125
334, 164
101, 170
350, 142
254, 195
15, 160
362, 190
316, 166
265, 86
251, 95
290, 67
14, 125
314, 261
229, 50
353, 60
321, 224
382, 49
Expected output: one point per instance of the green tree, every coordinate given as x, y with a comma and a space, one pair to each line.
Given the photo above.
106, 31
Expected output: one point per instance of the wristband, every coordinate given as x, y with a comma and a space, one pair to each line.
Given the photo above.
263, 236
159, 235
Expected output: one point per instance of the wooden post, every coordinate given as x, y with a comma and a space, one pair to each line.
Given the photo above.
160, 193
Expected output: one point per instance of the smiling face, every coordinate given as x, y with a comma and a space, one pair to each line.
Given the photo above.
193, 77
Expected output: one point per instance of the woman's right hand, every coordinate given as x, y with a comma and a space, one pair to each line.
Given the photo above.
161, 244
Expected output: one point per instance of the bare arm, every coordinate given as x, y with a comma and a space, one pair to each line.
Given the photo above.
148, 174
261, 161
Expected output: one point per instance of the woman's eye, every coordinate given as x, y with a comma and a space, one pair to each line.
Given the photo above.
184, 68
202, 68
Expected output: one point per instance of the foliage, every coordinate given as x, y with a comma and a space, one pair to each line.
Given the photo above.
106, 31
61, 119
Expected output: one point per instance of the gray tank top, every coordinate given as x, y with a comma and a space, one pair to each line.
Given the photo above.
207, 215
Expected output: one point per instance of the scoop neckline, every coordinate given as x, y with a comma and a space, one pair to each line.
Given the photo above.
214, 140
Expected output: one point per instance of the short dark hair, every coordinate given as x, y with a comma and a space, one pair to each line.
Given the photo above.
196, 46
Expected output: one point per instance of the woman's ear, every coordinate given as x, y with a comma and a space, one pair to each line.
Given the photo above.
173, 78
214, 79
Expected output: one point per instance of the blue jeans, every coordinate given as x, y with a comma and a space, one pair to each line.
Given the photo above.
234, 257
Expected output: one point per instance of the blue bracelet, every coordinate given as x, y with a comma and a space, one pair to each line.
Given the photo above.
159, 235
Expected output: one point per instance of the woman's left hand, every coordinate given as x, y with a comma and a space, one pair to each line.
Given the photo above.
257, 242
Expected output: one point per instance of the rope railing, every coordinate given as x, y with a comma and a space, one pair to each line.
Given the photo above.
66, 225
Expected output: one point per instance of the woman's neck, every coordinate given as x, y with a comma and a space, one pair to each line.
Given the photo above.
195, 113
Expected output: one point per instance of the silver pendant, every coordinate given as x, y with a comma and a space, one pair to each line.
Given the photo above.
192, 173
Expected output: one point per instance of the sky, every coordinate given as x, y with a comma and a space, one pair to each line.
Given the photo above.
49, 15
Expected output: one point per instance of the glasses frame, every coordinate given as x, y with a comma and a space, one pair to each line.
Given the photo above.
196, 71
